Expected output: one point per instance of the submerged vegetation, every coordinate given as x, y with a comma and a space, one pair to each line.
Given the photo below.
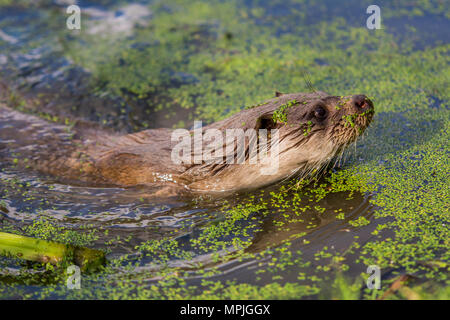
387, 205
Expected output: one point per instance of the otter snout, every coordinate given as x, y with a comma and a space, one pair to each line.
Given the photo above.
361, 103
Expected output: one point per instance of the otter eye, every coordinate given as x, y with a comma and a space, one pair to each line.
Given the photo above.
320, 112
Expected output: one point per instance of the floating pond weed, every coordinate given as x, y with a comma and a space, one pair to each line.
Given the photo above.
386, 205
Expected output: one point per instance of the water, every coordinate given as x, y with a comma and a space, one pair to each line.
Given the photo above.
131, 214
36, 64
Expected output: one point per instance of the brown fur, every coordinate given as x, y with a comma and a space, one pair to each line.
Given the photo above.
100, 158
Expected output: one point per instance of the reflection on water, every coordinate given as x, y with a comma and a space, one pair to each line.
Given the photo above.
131, 214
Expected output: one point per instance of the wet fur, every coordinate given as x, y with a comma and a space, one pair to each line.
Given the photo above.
98, 157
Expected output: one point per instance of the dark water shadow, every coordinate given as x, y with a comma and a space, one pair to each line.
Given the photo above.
420, 32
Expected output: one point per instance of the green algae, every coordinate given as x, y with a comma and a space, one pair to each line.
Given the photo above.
189, 60
280, 115
224, 76
308, 128
226, 240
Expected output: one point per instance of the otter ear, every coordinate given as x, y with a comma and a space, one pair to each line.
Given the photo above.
265, 122
278, 94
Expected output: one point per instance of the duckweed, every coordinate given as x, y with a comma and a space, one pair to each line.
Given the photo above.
185, 59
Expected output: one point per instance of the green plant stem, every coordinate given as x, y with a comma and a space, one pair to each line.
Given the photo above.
49, 252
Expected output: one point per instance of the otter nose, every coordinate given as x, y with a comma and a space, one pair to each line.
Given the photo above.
361, 102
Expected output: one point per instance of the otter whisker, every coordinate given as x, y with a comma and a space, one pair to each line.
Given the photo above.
307, 79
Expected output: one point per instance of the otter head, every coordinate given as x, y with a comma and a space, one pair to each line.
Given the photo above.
310, 129
337, 119
340, 119
315, 127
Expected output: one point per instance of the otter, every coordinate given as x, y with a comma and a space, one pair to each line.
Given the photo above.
312, 129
